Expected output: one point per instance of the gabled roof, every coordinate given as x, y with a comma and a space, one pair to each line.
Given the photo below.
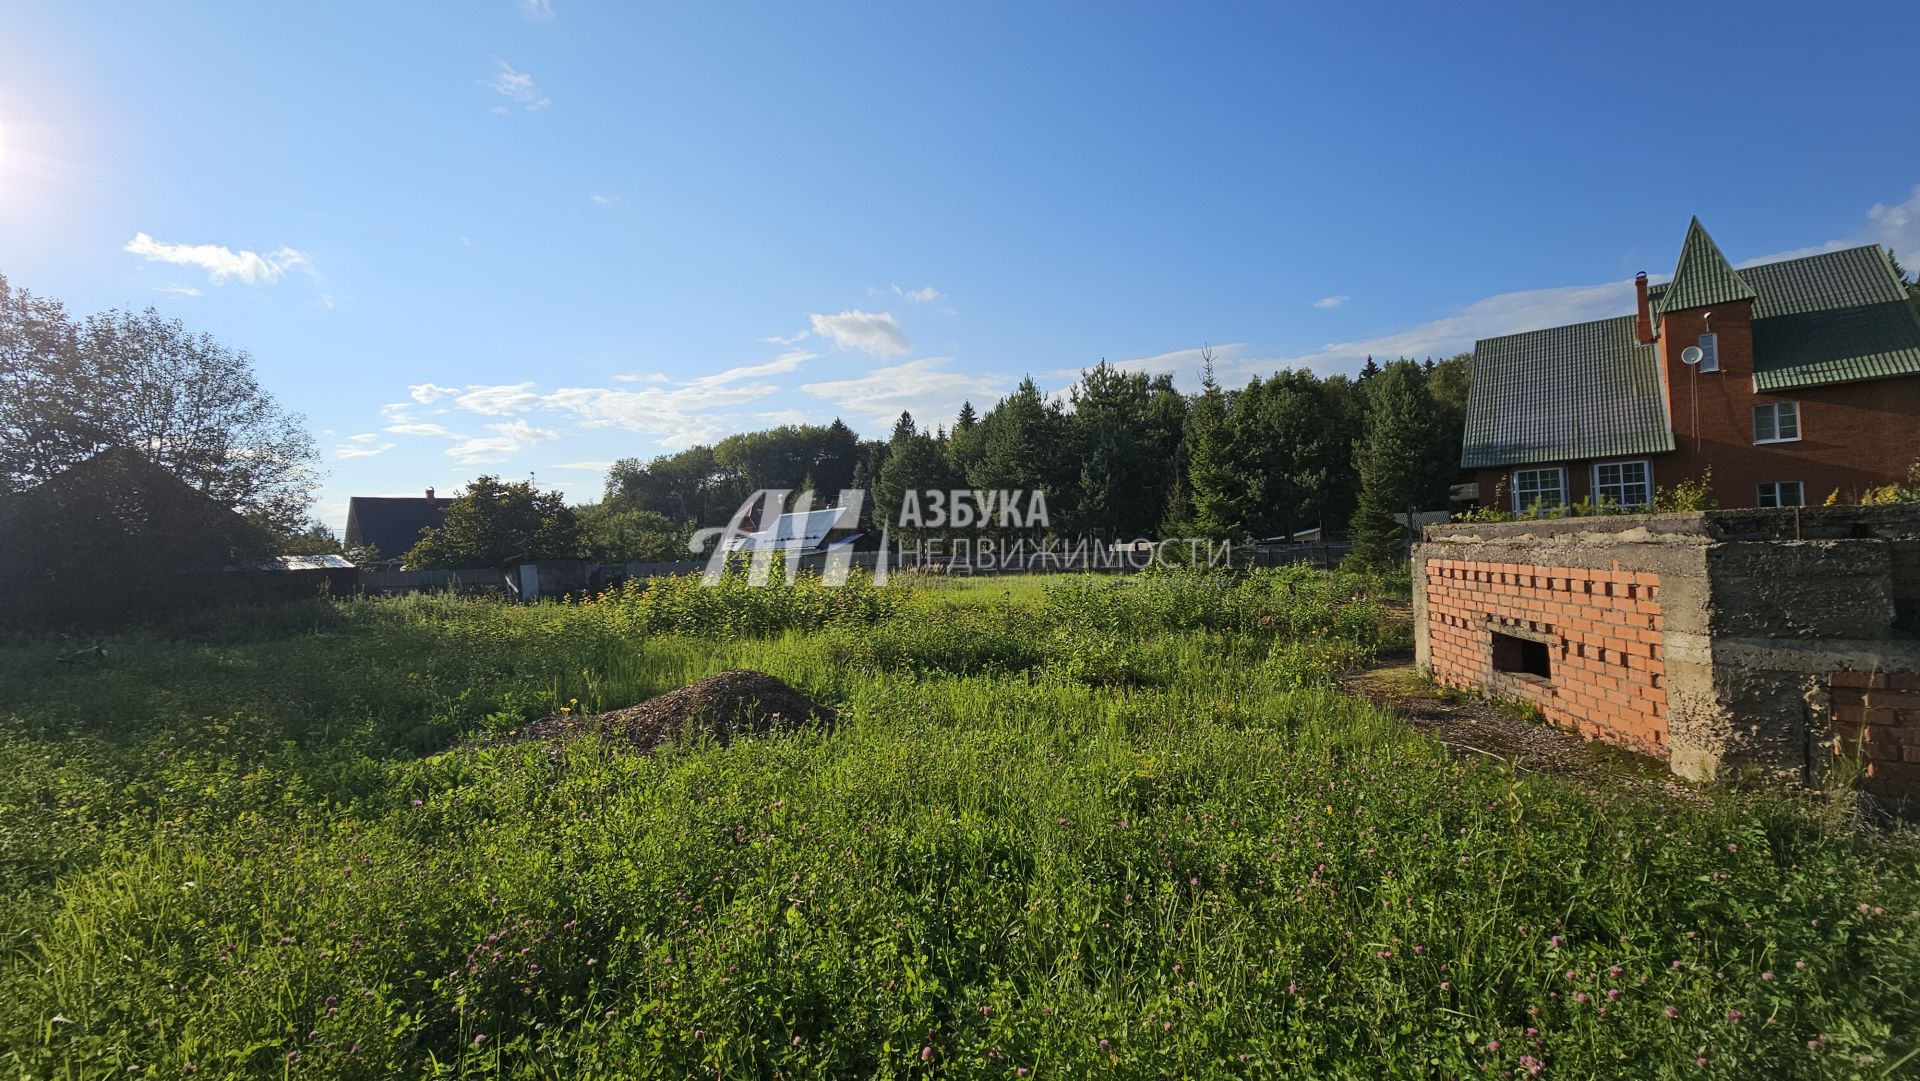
1584, 391
392, 524
1703, 276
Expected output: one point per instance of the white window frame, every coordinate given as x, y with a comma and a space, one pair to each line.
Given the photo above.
1774, 411
1779, 487
1520, 506
1645, 482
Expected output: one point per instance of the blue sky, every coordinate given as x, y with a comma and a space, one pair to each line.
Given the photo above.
523, 238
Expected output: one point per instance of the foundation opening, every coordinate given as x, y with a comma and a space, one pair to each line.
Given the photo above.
1521, 657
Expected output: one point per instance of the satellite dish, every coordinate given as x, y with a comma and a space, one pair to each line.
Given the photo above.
1692, 355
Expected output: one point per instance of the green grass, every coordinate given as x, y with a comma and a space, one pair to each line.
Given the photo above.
1112, 827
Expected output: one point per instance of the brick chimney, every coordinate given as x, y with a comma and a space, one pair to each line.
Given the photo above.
1643, 319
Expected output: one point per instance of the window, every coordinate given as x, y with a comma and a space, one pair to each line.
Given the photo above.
1781, 493
1776, 422
1521, 656
1709, 352
1546, 488
1626, 484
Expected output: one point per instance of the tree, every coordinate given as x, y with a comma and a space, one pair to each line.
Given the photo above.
915, 463
1216, 471
630, 536
145, 383
1124, 434
1396, 461
494, 523
1024, 447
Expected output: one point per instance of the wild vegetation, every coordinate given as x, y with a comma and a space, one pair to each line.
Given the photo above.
1087, 827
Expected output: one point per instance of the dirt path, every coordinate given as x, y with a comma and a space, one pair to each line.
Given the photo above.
1474, 726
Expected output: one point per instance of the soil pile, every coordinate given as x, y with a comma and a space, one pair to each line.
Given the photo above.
737, 703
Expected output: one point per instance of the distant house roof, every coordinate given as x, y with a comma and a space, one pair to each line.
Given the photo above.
392, 524
326, 562
1591, 390
1583, 391
805, 531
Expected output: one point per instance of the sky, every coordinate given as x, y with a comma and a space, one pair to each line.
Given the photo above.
530, 237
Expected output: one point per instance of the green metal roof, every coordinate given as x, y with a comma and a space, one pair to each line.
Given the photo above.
1591, 391
1703, 276
1837, 317
1569, 393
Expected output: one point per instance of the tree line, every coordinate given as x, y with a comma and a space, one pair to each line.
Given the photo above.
1124, 455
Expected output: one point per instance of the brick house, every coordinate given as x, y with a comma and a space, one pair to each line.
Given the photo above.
1807, 382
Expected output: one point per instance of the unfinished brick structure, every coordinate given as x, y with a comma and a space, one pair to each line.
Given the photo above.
1762, 639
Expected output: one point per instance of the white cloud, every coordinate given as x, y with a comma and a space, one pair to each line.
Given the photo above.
779, 365
875, 333
604, 200
1333, 301
517, 86
780, 417
363, 437
595, 467
428, 393
537, 10
918, 296
923, 387
422, 428
650, 377
363, 446
173, 290
1491, 317
789, 342
221, 263
508, 439
1896, 228
497, 400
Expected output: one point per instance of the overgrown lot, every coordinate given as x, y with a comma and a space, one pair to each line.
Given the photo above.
1071, 828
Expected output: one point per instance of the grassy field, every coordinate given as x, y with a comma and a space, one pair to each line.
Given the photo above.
1064, 828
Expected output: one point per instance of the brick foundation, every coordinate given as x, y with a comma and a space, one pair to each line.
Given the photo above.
1757, 642
1602, 630
1876, 719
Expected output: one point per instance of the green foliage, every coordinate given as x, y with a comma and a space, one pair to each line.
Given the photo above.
915, 463
629, 536
1688, 495
494, 522
1400, 461
145, 383
1906, 492
1167, 848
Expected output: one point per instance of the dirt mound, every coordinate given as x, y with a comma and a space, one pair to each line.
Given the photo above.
741, 702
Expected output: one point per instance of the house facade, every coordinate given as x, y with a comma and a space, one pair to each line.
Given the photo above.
1789, 381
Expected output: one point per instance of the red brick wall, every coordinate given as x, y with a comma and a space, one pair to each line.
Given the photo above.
1603, 630
1876, 718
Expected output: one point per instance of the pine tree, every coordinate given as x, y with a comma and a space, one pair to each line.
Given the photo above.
1395, 460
